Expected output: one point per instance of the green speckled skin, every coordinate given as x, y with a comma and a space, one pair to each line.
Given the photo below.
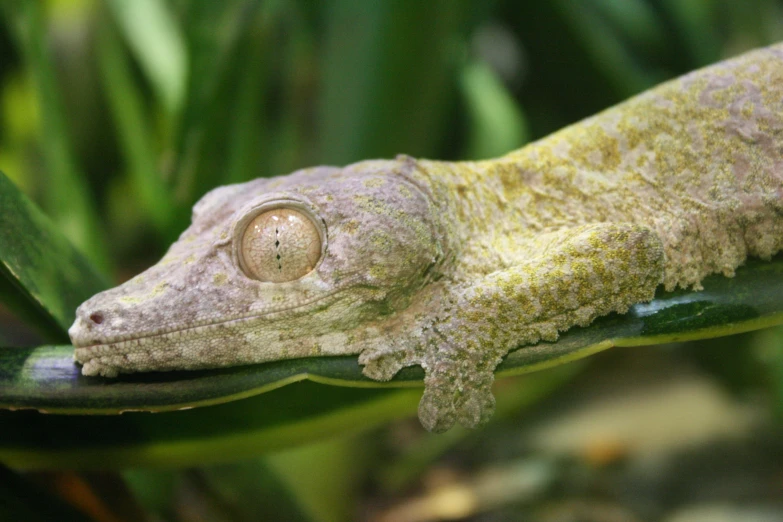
452, 265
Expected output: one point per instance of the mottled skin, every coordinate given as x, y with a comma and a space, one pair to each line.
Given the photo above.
451, 265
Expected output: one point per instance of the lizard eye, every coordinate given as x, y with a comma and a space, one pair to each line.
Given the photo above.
279, 245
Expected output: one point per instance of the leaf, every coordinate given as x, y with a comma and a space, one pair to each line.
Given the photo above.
46, 379
67, 194
241, 490
156, 40
637, 21
42, 276
386, 87
133, 130
696, 24
609, 52
283, 418
497, 124
214, 31
326, 478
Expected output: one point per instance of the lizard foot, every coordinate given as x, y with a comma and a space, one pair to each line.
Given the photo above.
450, 397
383, 364
457, 388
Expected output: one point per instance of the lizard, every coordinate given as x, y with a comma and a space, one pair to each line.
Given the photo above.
450, 265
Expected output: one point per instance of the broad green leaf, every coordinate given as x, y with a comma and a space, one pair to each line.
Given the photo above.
513, 397
325, 478
43, 277
285, 418
46, 379
241, 490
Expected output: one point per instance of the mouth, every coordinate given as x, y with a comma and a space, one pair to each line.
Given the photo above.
83, 341
250, 339
226, 343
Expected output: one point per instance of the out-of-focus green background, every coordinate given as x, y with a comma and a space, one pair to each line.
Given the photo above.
117, 115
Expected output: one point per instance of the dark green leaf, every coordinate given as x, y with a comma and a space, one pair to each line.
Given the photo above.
214, 31
46, 378
43, 277
695, 20
283, 418
610, 53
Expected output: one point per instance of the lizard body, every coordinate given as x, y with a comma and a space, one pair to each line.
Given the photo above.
452, 265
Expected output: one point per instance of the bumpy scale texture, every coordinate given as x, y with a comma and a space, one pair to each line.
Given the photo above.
451, 265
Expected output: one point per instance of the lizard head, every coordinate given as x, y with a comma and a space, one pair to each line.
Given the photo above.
311, 263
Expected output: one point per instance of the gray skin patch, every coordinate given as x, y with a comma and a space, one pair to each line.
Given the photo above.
451, 265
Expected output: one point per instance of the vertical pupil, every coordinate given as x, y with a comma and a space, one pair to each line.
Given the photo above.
277, 249
279, 245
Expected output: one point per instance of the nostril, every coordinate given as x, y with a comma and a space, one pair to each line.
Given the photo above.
96, 317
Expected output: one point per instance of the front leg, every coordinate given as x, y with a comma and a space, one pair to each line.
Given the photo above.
570, 278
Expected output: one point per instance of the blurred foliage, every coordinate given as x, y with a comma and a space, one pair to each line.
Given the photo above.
117, 115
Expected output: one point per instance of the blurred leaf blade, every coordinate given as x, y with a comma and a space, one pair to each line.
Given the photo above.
637, 21
609, 51
242, 490
695, 20
324, 477
497, 123
152, 32
68, 199
249, 132
213, 33
49, 276
134, 131
385, 89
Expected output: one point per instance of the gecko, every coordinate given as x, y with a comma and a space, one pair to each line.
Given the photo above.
451, 265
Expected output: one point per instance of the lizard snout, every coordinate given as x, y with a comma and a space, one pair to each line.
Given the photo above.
90, 327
